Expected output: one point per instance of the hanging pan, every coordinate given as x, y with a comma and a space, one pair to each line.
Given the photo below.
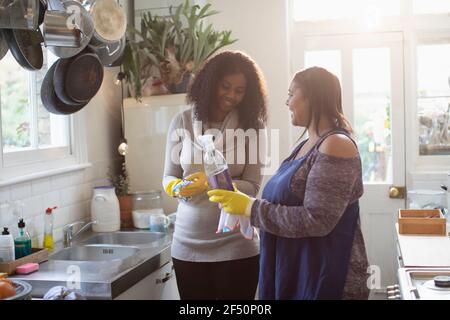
49, 99
25, 46
71, 83
78, 79
3, 45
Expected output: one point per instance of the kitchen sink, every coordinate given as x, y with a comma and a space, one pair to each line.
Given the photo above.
126, 238
95, 253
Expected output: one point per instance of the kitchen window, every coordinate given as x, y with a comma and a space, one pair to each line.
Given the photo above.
33, 140
425, 65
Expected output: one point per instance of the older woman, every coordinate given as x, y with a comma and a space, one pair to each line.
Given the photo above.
311, 241
227, 93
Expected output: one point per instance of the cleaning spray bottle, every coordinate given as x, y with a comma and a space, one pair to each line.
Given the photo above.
48, 229
216, 169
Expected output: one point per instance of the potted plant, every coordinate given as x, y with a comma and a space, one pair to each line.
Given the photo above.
170, 49
121, 184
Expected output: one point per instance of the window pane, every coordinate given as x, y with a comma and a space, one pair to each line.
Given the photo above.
15, 105
433, 70
372, 99
431, 6
328, 59
433, 104
52, 129
20, 99
434, 126
317, 10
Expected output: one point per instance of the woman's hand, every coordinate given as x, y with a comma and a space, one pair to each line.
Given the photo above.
199, 184
233, 202
170, 187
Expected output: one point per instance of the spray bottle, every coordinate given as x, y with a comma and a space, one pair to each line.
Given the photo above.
216, 169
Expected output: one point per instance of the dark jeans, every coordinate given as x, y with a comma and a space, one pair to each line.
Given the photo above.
224, 280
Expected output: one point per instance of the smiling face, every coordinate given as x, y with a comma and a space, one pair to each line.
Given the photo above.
298, 106
231, 92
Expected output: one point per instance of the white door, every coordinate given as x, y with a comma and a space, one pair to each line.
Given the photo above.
370, 67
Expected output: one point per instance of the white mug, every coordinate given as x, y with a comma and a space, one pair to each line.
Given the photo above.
159, 222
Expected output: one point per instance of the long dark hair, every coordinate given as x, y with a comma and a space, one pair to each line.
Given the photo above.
203, 90
322, 89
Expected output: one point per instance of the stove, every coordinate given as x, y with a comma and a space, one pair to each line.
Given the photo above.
421, 284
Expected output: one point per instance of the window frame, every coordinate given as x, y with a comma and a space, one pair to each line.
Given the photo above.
25, 164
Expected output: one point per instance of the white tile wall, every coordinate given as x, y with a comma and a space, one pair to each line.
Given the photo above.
70, 192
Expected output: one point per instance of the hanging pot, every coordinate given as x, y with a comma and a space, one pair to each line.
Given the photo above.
108, 53
80, 21
57, 32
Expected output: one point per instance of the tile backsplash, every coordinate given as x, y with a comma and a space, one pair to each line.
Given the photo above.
70, 192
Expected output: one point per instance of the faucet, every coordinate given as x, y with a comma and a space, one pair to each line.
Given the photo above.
68, 234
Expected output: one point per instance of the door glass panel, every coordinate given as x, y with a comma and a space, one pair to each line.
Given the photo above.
328, 59
433, 99
372, 112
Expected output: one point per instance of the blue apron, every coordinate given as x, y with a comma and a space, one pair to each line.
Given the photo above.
304, 268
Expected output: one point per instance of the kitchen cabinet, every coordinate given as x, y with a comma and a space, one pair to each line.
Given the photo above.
423, 251
159, 285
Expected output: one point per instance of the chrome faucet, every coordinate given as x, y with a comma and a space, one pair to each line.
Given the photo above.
68, 234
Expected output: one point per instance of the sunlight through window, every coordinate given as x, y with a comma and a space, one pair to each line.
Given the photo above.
320, 10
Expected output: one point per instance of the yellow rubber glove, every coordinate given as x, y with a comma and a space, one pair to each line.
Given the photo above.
170, 185
233, 202
199, 185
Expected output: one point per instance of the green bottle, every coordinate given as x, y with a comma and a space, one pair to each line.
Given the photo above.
22, 243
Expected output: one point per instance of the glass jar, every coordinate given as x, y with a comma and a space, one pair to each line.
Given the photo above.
145, 203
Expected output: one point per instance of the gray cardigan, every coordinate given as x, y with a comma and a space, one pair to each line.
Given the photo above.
195, 238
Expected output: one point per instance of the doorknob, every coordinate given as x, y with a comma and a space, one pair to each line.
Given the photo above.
396, 192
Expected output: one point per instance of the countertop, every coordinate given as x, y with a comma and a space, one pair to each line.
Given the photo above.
424, 251
99, 279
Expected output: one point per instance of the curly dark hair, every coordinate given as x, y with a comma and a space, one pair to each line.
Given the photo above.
202, 92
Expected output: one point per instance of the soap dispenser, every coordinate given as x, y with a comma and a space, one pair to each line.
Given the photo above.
23, 242
48, 229
6, 246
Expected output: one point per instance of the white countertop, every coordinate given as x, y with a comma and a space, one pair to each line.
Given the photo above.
424, 251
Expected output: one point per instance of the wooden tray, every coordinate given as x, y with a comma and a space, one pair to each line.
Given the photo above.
37, 255
421, 221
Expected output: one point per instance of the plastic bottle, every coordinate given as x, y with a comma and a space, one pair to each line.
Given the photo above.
6, 246
23, 242
216, 168
48, 229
